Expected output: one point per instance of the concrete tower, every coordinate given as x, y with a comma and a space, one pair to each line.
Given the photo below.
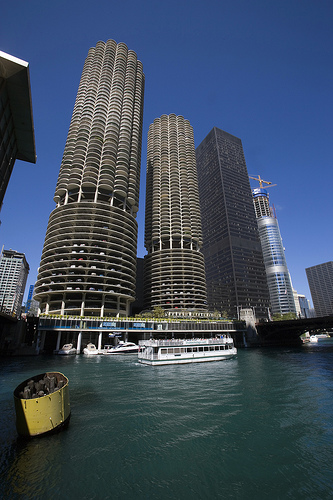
235, 270
278, 278
174, 267
88, 262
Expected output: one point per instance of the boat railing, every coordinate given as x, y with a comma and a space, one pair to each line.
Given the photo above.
184, 342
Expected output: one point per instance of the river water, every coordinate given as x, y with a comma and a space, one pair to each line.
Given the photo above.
258, 426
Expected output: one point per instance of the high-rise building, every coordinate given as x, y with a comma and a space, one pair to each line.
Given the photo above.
88, 264
304, 306
235, 271
31, 306
17, 137
320, 279
278, 277
174, 267
14, 271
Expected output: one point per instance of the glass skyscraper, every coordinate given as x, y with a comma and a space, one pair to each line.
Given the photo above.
278, 277
88, 264
235, 271
174, 272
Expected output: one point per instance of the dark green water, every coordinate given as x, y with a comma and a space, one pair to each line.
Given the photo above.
255, 427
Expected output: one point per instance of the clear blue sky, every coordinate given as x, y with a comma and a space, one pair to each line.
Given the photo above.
258, 69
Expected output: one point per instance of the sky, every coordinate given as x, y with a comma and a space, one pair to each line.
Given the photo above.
258, 69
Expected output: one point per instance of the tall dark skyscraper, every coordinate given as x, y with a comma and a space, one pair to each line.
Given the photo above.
88, 263
320, 279
235, 271
174, 267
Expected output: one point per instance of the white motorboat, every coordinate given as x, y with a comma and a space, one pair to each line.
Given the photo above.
66, 349
179, 351
121, 348
91, 350
313, 339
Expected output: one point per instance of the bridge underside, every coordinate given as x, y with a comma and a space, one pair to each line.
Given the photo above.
279, 333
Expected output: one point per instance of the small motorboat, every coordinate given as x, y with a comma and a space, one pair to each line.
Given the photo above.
66, 349
121, 348
42, 404
91, 350
313, 339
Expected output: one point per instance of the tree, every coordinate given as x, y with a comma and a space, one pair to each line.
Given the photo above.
158, 312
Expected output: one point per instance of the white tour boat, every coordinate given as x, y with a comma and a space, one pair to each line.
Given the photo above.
121, 348
178, 351
66, 349
91, 350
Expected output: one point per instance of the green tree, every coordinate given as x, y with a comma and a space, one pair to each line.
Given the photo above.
158, 312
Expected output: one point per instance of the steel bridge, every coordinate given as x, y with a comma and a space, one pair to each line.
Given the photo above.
288, 332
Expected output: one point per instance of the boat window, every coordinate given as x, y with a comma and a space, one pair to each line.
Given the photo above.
189, 349
206, 348
201, 348
195, 349
177, 349
211, 348
164, 351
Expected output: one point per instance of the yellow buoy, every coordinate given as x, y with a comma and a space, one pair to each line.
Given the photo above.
42, 404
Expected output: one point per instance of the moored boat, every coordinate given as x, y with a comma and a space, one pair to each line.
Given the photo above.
91, 350
322, 336
180, 351
42, 404
121, 348
313, 339
66, 349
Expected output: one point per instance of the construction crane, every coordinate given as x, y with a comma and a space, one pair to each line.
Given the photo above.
261, 181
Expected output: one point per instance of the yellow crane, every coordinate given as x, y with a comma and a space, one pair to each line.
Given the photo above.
261, 181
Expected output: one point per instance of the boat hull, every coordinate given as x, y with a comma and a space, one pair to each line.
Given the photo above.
42, 415
119, 351
184, 360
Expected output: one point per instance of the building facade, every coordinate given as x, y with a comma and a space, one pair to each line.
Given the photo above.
320, 279
174, 272
88, 264
17, 137
31, 306
14, 271
278, 277
235, 271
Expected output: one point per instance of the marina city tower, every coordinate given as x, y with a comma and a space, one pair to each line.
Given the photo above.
174, 271
88, 263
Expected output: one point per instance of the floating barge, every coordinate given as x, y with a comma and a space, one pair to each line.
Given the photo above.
181, 351
42, 404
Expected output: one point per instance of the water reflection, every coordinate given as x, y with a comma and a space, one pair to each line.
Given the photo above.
33, 467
